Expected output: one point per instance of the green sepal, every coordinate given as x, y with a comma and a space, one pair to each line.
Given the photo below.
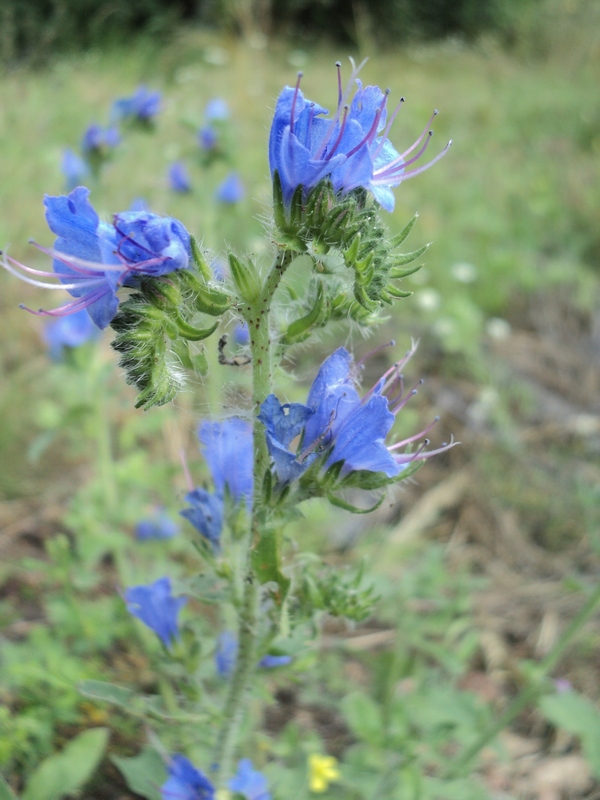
297, 206
406, 258
245, 278
396, 292
340, 503
193, 334
278, 204
351, 254
199, 260
332, 475
267, 487
266, 562
301, 328
397, 240
364, 300
364, 479
211, 301
395, 273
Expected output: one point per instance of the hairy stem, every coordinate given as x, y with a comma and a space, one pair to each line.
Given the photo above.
257, 316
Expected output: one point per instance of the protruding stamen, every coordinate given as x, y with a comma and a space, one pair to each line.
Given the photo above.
186, 470
412, 173
421, 456
422, 136
338, 65
398, 165
68, 308
339, 136
342, 102
373, 129
297, 89
402, 401
84, 283
371, 353
414, 438
388, 127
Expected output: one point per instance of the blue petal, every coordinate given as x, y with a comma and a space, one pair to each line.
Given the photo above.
185, 782
73, 219
287, 467
283, 422
205, 514
249, 782
155, 606
228, 449
359, 441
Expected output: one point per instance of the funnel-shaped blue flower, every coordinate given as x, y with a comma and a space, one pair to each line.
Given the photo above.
205, 514
179, 179
339, 425
227, 447
143, 105
156, 607
351, 148
185, 782
231, 190
93, 259
249, 782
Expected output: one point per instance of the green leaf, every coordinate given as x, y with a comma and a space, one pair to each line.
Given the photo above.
64, 773
266, 560
6, 793
143, 773
576, 714
300, 329
109, 692
364, 717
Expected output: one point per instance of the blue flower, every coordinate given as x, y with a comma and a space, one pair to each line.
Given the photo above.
249, 782
185, 782
70, 331
143, 105
226, 653
208, 137
228, 450
179, 180
97, 139
205, 514
272, 662
338, 425
216, 109
93, 259
231, 190
351, 148
156, 607
74, 168
161, 526
241, 334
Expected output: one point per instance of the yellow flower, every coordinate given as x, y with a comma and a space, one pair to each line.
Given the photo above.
322, 770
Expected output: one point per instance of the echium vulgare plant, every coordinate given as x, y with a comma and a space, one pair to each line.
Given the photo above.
147, 278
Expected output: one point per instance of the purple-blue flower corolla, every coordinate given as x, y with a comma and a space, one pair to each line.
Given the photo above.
143, 105
156, 607
72, 331
231, 190
351, 148
338, 423
74, 168
249, 782
160, 526
185, 782
227, 448
97, 139
93, 259
179, 179
205, 514
226, 656
208, 137
216, 109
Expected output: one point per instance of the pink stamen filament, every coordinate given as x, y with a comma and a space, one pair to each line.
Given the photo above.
419, 455
67, 308
414, 172
186, 470
400, 166
373, 129
399, 405
78, 264
42, 273
340, 134
414, 438
66, 286
338, 65
418, 141
391, 343
388, 128
342, 101
294, 102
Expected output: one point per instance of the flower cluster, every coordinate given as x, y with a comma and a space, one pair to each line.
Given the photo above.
143, 106
338, 425
97, 139
93, 259
351, 148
